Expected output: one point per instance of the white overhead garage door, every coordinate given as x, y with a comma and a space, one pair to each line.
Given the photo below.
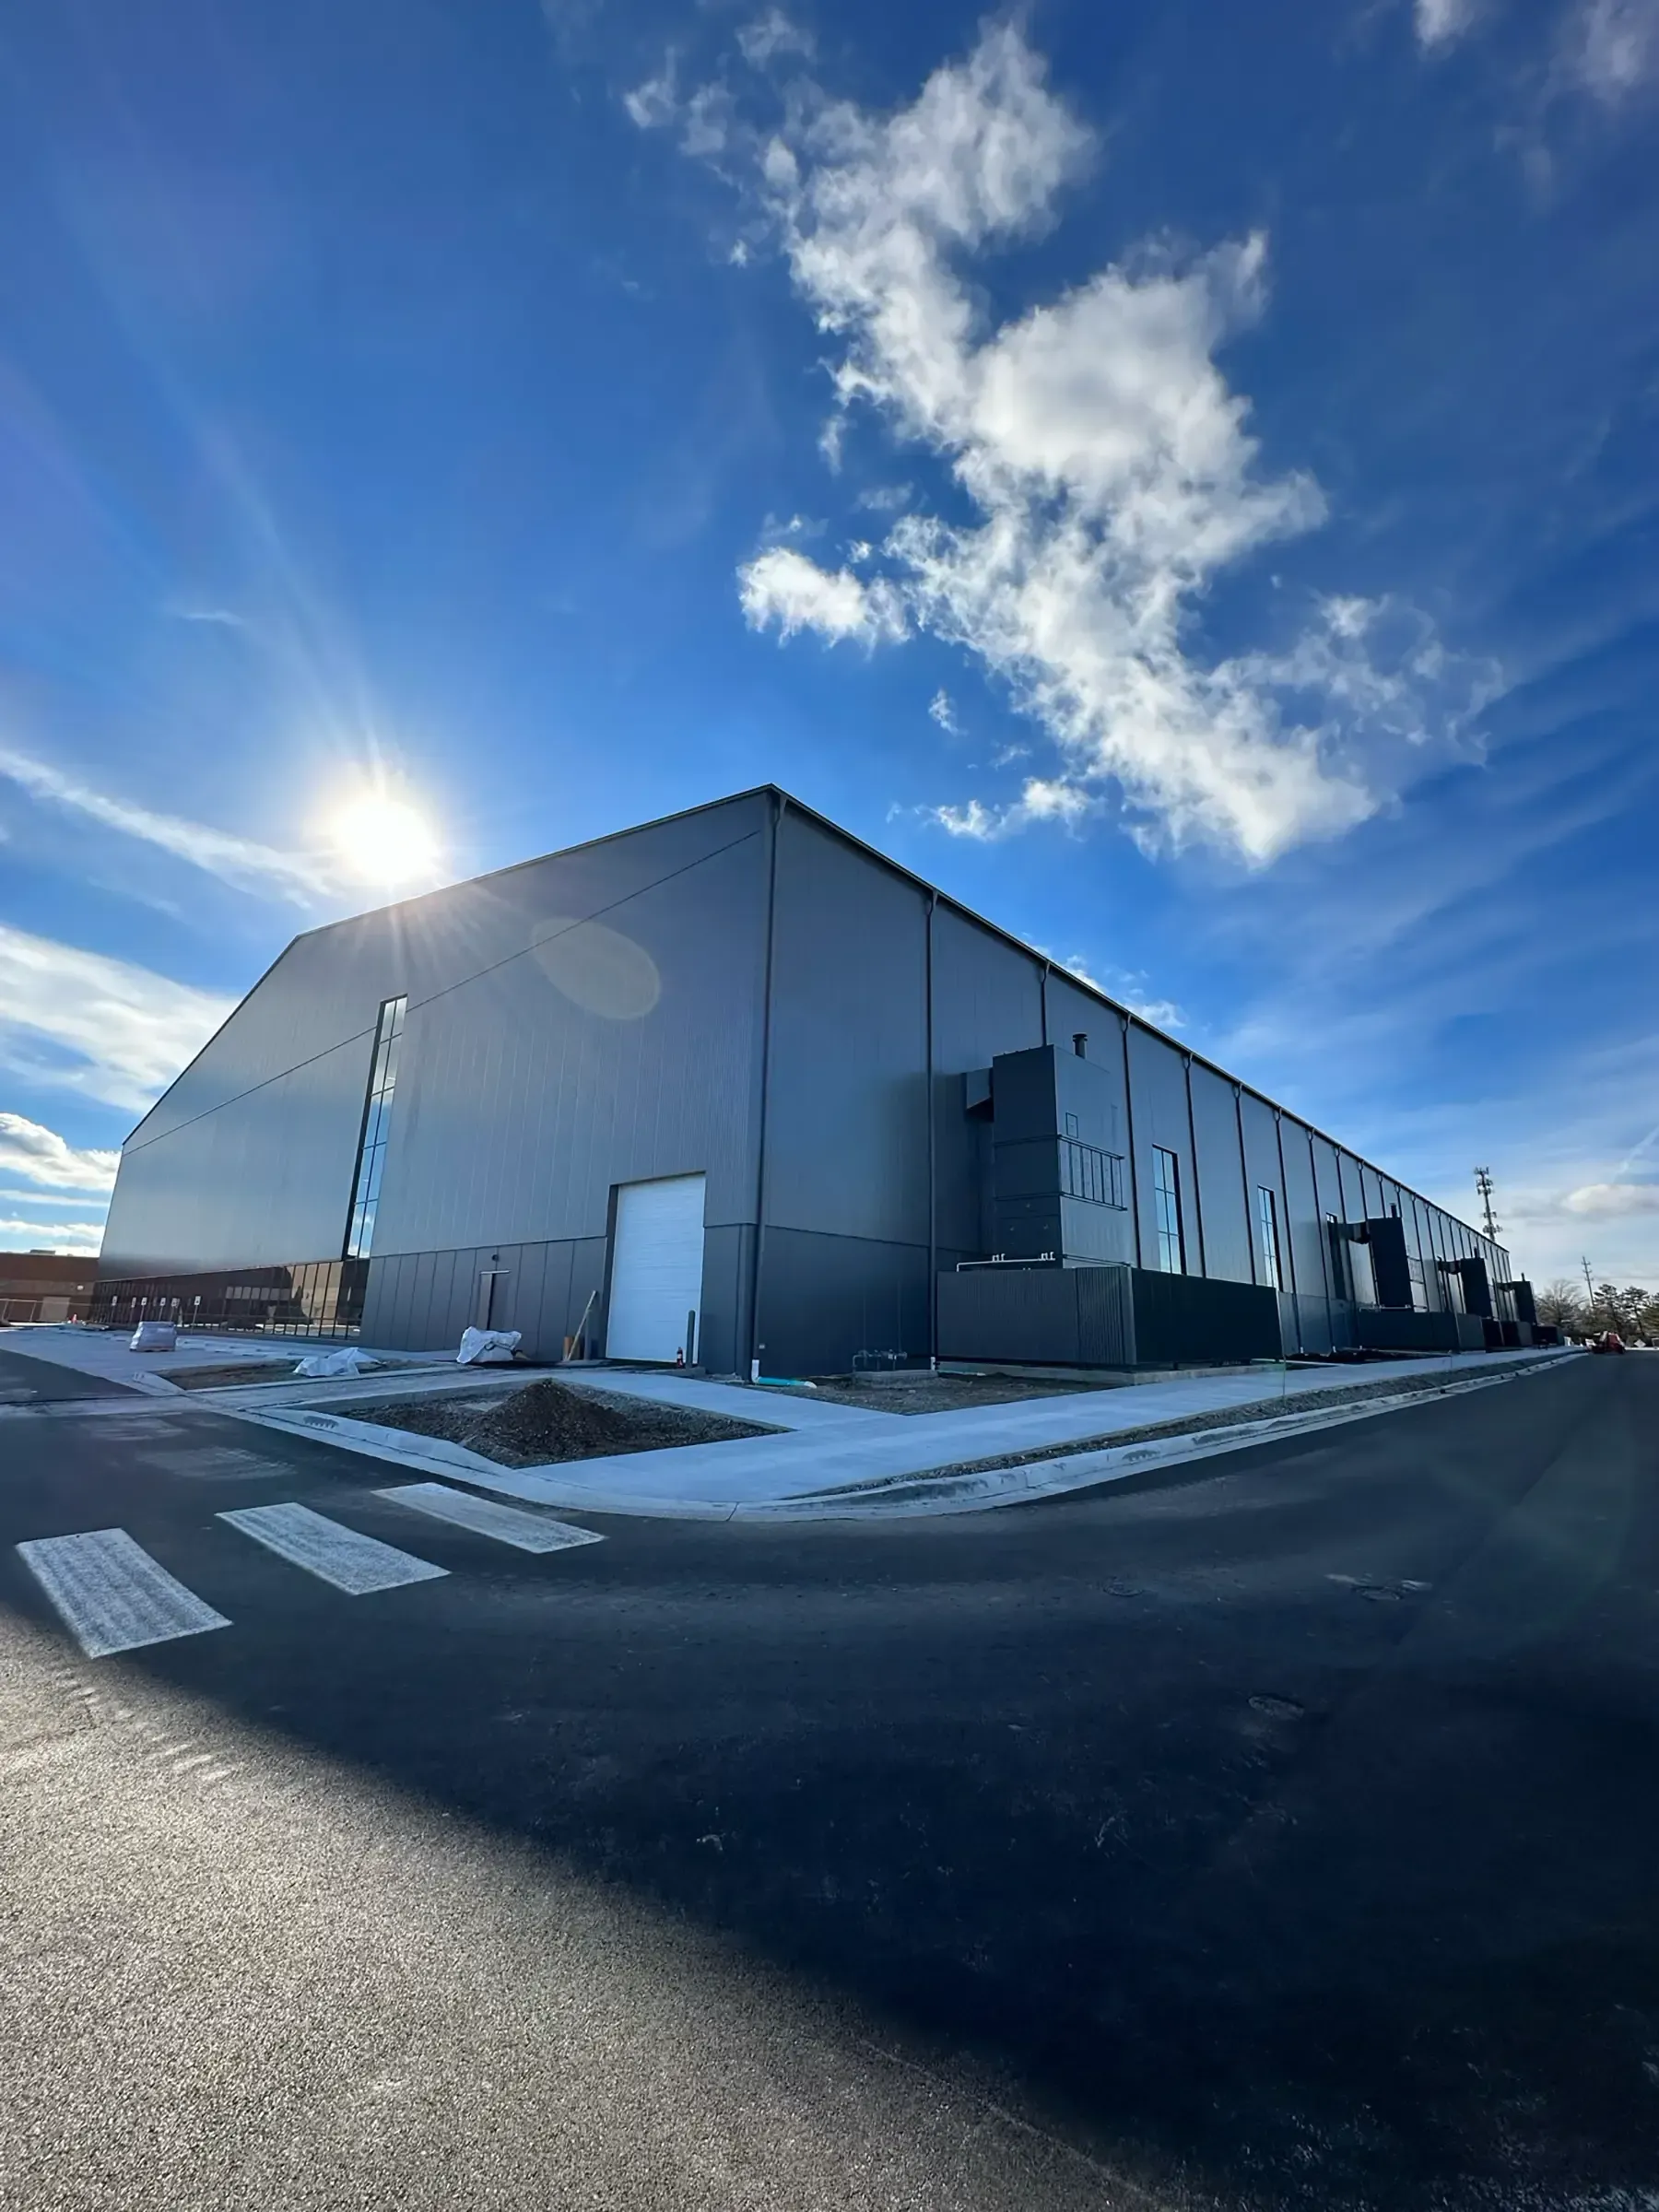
656, 1268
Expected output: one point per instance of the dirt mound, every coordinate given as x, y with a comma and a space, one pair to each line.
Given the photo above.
548, 1421
548, 1412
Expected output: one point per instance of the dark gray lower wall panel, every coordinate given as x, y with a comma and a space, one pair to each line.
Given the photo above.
1039, 1316
1103, 1317
1191, 1320
421, 1302
1398, 1329
723, 1330
824, 1299
1305, 1324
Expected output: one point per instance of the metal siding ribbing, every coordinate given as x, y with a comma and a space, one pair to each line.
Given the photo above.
1158, 1101
1262, 1168
827, 1299
528, 1083
847, 1112
1220, 1194
986, 1000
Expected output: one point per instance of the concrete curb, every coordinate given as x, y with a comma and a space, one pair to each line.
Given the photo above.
897, 1496
909, 1496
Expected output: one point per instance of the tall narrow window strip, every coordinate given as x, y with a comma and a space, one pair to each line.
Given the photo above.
377, 1122
1166, 1201
1268, 1214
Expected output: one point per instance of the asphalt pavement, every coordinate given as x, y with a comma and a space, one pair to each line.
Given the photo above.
1280, 1832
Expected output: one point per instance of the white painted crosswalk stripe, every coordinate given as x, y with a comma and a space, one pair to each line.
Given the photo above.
111, 1595
352, 1562
488, 1517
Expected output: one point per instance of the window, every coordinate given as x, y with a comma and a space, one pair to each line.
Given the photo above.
377, 1122
1166, 1207
1267, 1226
1087, 1172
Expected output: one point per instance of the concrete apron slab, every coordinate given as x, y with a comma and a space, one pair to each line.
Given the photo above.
810, 1478
734, 1401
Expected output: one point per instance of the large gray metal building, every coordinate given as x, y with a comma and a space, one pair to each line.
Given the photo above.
738, 1088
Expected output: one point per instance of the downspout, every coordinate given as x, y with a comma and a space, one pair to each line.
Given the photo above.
756, 1345
1197, 1181
1289, 1238
1251, 1224
1129, 1126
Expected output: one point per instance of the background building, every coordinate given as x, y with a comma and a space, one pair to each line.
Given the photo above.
735, 1084
45, 1285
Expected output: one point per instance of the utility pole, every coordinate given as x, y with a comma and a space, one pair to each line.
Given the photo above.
1589, 1286
1483, 1184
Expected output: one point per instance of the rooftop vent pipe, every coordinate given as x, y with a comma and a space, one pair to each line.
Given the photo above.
1080, 1043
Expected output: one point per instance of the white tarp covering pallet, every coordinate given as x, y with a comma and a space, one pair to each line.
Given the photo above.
487, 1347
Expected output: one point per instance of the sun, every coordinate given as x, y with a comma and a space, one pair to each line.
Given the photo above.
385, 839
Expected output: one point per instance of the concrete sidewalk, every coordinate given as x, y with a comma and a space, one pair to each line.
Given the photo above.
825, 1463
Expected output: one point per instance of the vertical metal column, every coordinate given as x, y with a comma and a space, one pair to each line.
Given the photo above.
1197, 1179
1278, 1134
755, 1347
1129, 1131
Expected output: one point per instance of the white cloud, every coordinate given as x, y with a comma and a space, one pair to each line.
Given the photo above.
784, 587
1109, 464
1615, 45
47, 1201
1041, 800
73, 1237
239, 861
101, 1027
653, 103
1613, 1201
219, 618
939, 706
1162, 1013
1441, 21
40, 1154
770, 35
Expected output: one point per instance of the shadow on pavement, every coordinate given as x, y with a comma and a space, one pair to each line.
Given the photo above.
1287, 1830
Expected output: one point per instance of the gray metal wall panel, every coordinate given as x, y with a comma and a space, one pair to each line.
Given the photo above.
1263, 1170
1227, 1236
723, 1335
826, 1299
518, 1108
1069, 1010
986, 1000
265, 1182
847, 1103
1307, 1213
533, 1076
1158, 1106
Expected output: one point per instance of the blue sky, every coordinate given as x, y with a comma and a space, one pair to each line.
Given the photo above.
1182, 477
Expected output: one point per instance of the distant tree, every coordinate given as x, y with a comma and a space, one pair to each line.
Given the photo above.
1560, 1305
1647, 1321
1620, 1310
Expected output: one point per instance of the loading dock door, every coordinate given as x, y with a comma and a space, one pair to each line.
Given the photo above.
656, 1268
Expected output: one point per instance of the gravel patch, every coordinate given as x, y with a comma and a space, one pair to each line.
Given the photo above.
231, 1372
541, 1423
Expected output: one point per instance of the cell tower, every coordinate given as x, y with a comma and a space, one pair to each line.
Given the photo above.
1483, 1183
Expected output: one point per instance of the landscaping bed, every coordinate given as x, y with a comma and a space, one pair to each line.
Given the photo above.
230, 1374
924, 1392
538, 1424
